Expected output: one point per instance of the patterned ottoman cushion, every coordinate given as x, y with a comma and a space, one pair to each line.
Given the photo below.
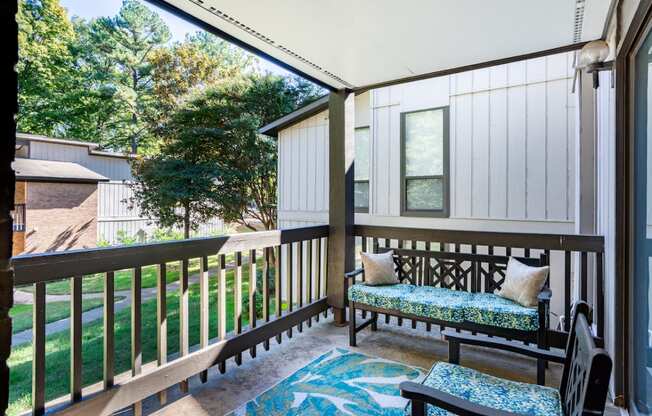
436, 303
387, 297
493, 392
490, 309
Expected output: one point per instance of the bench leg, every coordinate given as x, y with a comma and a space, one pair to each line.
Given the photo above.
541, 372
418, 408
453, 352
374, 323
352, 324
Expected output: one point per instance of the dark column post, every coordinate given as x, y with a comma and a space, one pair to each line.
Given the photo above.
340, 215
7, 185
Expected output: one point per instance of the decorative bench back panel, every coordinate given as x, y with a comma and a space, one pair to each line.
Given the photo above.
458, 271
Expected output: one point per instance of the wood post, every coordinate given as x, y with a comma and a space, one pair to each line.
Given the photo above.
341, 242
7, 184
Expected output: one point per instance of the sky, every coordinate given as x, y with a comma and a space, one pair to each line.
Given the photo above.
89, 9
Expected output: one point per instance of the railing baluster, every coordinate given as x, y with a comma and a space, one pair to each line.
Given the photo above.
599, 292
309, 276
237, 304
325, 272
109, 328
278, 302
136, 321
161, 323
318, 273
300, 276
38, 349
266, 291
584, 273
567, 290
203, 310
221, 306
252, 296
289, 284
75, 338
184, 347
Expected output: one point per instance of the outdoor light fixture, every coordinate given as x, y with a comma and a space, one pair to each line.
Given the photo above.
593, 57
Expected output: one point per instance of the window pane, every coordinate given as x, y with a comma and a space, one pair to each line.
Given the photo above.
424, 143
361, 194
425, 194
362, 154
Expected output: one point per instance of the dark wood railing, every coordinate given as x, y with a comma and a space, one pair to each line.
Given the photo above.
39, 269
567, 250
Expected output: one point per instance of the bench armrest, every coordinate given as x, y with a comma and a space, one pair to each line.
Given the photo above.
556, 356
353, 274
545, 295
457, 405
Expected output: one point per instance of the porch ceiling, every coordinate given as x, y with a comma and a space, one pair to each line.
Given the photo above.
366, 42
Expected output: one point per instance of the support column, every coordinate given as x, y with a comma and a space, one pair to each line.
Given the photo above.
7, 185
341, 243
585, 175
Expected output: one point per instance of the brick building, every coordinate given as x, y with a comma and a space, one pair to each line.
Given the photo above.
56, 206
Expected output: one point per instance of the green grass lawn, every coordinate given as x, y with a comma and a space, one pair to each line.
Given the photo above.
122, 278
21, 315
58, 347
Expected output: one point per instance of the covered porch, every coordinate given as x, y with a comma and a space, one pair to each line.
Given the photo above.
272, 302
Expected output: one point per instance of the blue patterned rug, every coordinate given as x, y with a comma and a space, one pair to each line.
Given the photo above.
339, 382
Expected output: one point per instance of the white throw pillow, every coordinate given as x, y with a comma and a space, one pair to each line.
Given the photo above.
523, 283
379, 268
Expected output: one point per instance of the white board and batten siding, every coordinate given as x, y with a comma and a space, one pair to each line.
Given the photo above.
512, 137
512, 141
116, 216
113, 213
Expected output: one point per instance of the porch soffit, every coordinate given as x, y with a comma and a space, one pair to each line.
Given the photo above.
370, 42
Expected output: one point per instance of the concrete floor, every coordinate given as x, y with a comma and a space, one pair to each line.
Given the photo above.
223, 393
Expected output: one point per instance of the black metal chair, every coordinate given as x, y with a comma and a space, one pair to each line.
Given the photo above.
583, 389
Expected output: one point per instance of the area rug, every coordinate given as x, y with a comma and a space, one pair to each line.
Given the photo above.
340, 382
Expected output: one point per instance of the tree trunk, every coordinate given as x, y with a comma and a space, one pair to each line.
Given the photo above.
134, 117
186, 222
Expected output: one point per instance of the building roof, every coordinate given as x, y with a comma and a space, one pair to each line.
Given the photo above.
35, 170
364, 44
93, 148
296, 116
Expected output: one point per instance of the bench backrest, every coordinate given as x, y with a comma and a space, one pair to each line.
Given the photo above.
459, 271
587, 369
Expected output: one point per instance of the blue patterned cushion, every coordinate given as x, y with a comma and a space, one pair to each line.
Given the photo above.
491, 309
493, 392
387, 297
436, 303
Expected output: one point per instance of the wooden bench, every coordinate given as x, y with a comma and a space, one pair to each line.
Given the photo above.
452, 290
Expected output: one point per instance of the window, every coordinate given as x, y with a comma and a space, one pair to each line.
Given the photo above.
424, 163
361, 180
18, 215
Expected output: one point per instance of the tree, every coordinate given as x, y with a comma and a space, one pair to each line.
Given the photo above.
177, 192
127, 42
190, 66
45, 65
220, 125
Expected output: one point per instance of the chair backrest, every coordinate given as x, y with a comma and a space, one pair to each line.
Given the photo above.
587, 369
459, 271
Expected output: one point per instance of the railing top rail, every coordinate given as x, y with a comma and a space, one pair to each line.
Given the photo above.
44, 267
564, 242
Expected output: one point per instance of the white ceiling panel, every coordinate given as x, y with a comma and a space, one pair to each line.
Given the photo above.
364, 42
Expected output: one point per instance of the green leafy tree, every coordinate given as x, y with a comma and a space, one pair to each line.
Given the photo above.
192, 65
45, 65
126, 43
177, 192
219, 126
